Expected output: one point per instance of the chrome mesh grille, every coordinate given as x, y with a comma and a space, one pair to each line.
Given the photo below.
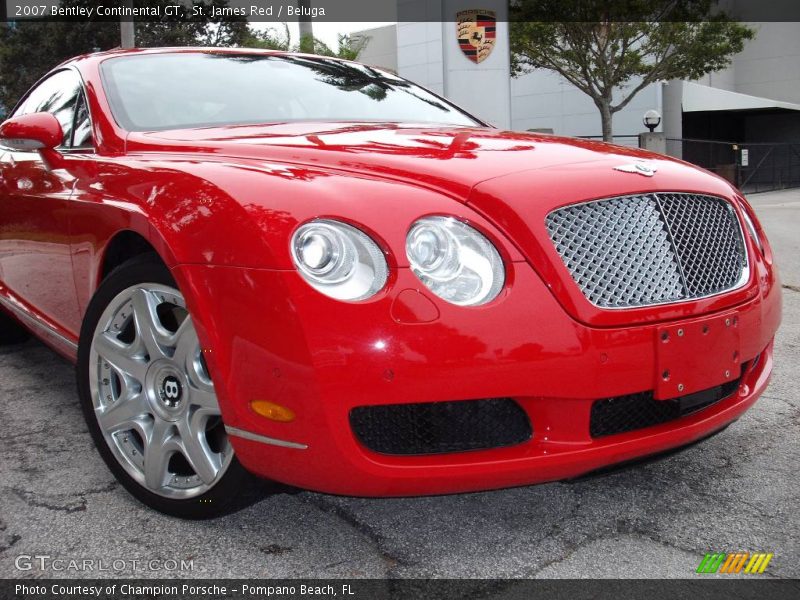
650, 248
707, 241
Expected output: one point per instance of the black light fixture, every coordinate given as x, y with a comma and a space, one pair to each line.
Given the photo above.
652, 119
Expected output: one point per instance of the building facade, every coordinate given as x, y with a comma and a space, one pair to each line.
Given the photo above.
756, 99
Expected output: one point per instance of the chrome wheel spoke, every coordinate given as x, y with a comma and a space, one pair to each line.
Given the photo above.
123, 414
149, 331
185, 342
157, 452
194, 447
120, 356
205, 400
187, 356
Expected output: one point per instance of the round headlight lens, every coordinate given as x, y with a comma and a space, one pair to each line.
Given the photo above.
454, 261
339, 260
317, 251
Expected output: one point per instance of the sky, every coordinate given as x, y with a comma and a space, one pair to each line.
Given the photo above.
327, 32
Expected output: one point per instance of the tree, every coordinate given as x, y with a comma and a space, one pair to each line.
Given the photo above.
204, 30
31, 48
306, 27
269, 39
348, 47
612, 49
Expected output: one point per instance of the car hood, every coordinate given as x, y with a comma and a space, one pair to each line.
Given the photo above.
451, 159
511, 179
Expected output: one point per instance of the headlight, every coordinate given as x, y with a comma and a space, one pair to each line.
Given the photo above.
454, 261
339, 260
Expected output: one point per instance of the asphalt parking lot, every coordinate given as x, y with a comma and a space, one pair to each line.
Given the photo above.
736, 491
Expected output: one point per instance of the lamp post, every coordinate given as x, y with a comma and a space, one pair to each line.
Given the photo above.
655, 142
651, 120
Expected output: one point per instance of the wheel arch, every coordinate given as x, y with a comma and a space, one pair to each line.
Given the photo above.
125, 245
129, 243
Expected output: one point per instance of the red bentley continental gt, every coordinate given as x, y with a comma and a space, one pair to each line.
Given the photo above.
320, 273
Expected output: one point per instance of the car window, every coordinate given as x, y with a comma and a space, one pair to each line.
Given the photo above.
175, 90
82, 128
58, 95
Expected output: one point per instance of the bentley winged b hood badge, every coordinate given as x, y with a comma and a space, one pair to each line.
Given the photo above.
641, 167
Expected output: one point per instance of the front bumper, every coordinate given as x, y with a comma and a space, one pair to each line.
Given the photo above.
271, 337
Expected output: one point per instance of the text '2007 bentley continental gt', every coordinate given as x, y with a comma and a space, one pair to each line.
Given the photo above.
320, 273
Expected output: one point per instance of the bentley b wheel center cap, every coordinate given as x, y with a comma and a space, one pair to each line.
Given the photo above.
166, 389
170, 391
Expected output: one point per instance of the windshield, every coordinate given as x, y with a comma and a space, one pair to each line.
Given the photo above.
182, 90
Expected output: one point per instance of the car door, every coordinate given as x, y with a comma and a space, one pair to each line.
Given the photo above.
35, 260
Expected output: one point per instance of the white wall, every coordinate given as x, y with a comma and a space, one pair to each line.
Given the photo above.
543, 99
420, 43
672, 114
428, 54
419, 54
480, 88
381, 48
769, 66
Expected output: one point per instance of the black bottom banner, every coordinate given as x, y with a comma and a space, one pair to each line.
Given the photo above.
370, 589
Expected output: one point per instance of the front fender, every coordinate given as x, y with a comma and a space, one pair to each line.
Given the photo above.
242, 214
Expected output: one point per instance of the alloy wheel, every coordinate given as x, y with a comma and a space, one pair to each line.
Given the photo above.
152, 394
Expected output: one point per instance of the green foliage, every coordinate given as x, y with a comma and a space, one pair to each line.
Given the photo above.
30, 49
269, 39
591, 46
349, 47
198, 31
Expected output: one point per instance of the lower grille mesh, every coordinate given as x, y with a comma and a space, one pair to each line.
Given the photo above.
441, 427
637, 411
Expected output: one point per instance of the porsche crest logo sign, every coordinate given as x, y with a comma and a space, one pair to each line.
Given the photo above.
477, 33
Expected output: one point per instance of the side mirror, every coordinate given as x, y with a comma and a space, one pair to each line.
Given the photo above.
27, 133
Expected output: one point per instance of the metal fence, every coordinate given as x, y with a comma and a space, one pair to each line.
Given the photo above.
752, 166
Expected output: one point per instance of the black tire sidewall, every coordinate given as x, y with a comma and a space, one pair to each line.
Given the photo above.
221, 498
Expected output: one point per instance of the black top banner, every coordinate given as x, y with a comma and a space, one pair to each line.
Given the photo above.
397, 10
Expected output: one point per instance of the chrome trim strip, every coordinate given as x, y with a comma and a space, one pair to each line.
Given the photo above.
37, 323
254, 437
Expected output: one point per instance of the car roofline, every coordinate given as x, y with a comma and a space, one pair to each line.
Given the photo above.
100, 56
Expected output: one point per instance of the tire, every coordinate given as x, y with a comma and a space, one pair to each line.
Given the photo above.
11, 332
148, 400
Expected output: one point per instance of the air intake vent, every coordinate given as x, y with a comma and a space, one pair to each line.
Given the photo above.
637, 411
441, 427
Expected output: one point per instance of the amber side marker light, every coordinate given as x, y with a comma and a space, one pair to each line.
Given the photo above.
272, 411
